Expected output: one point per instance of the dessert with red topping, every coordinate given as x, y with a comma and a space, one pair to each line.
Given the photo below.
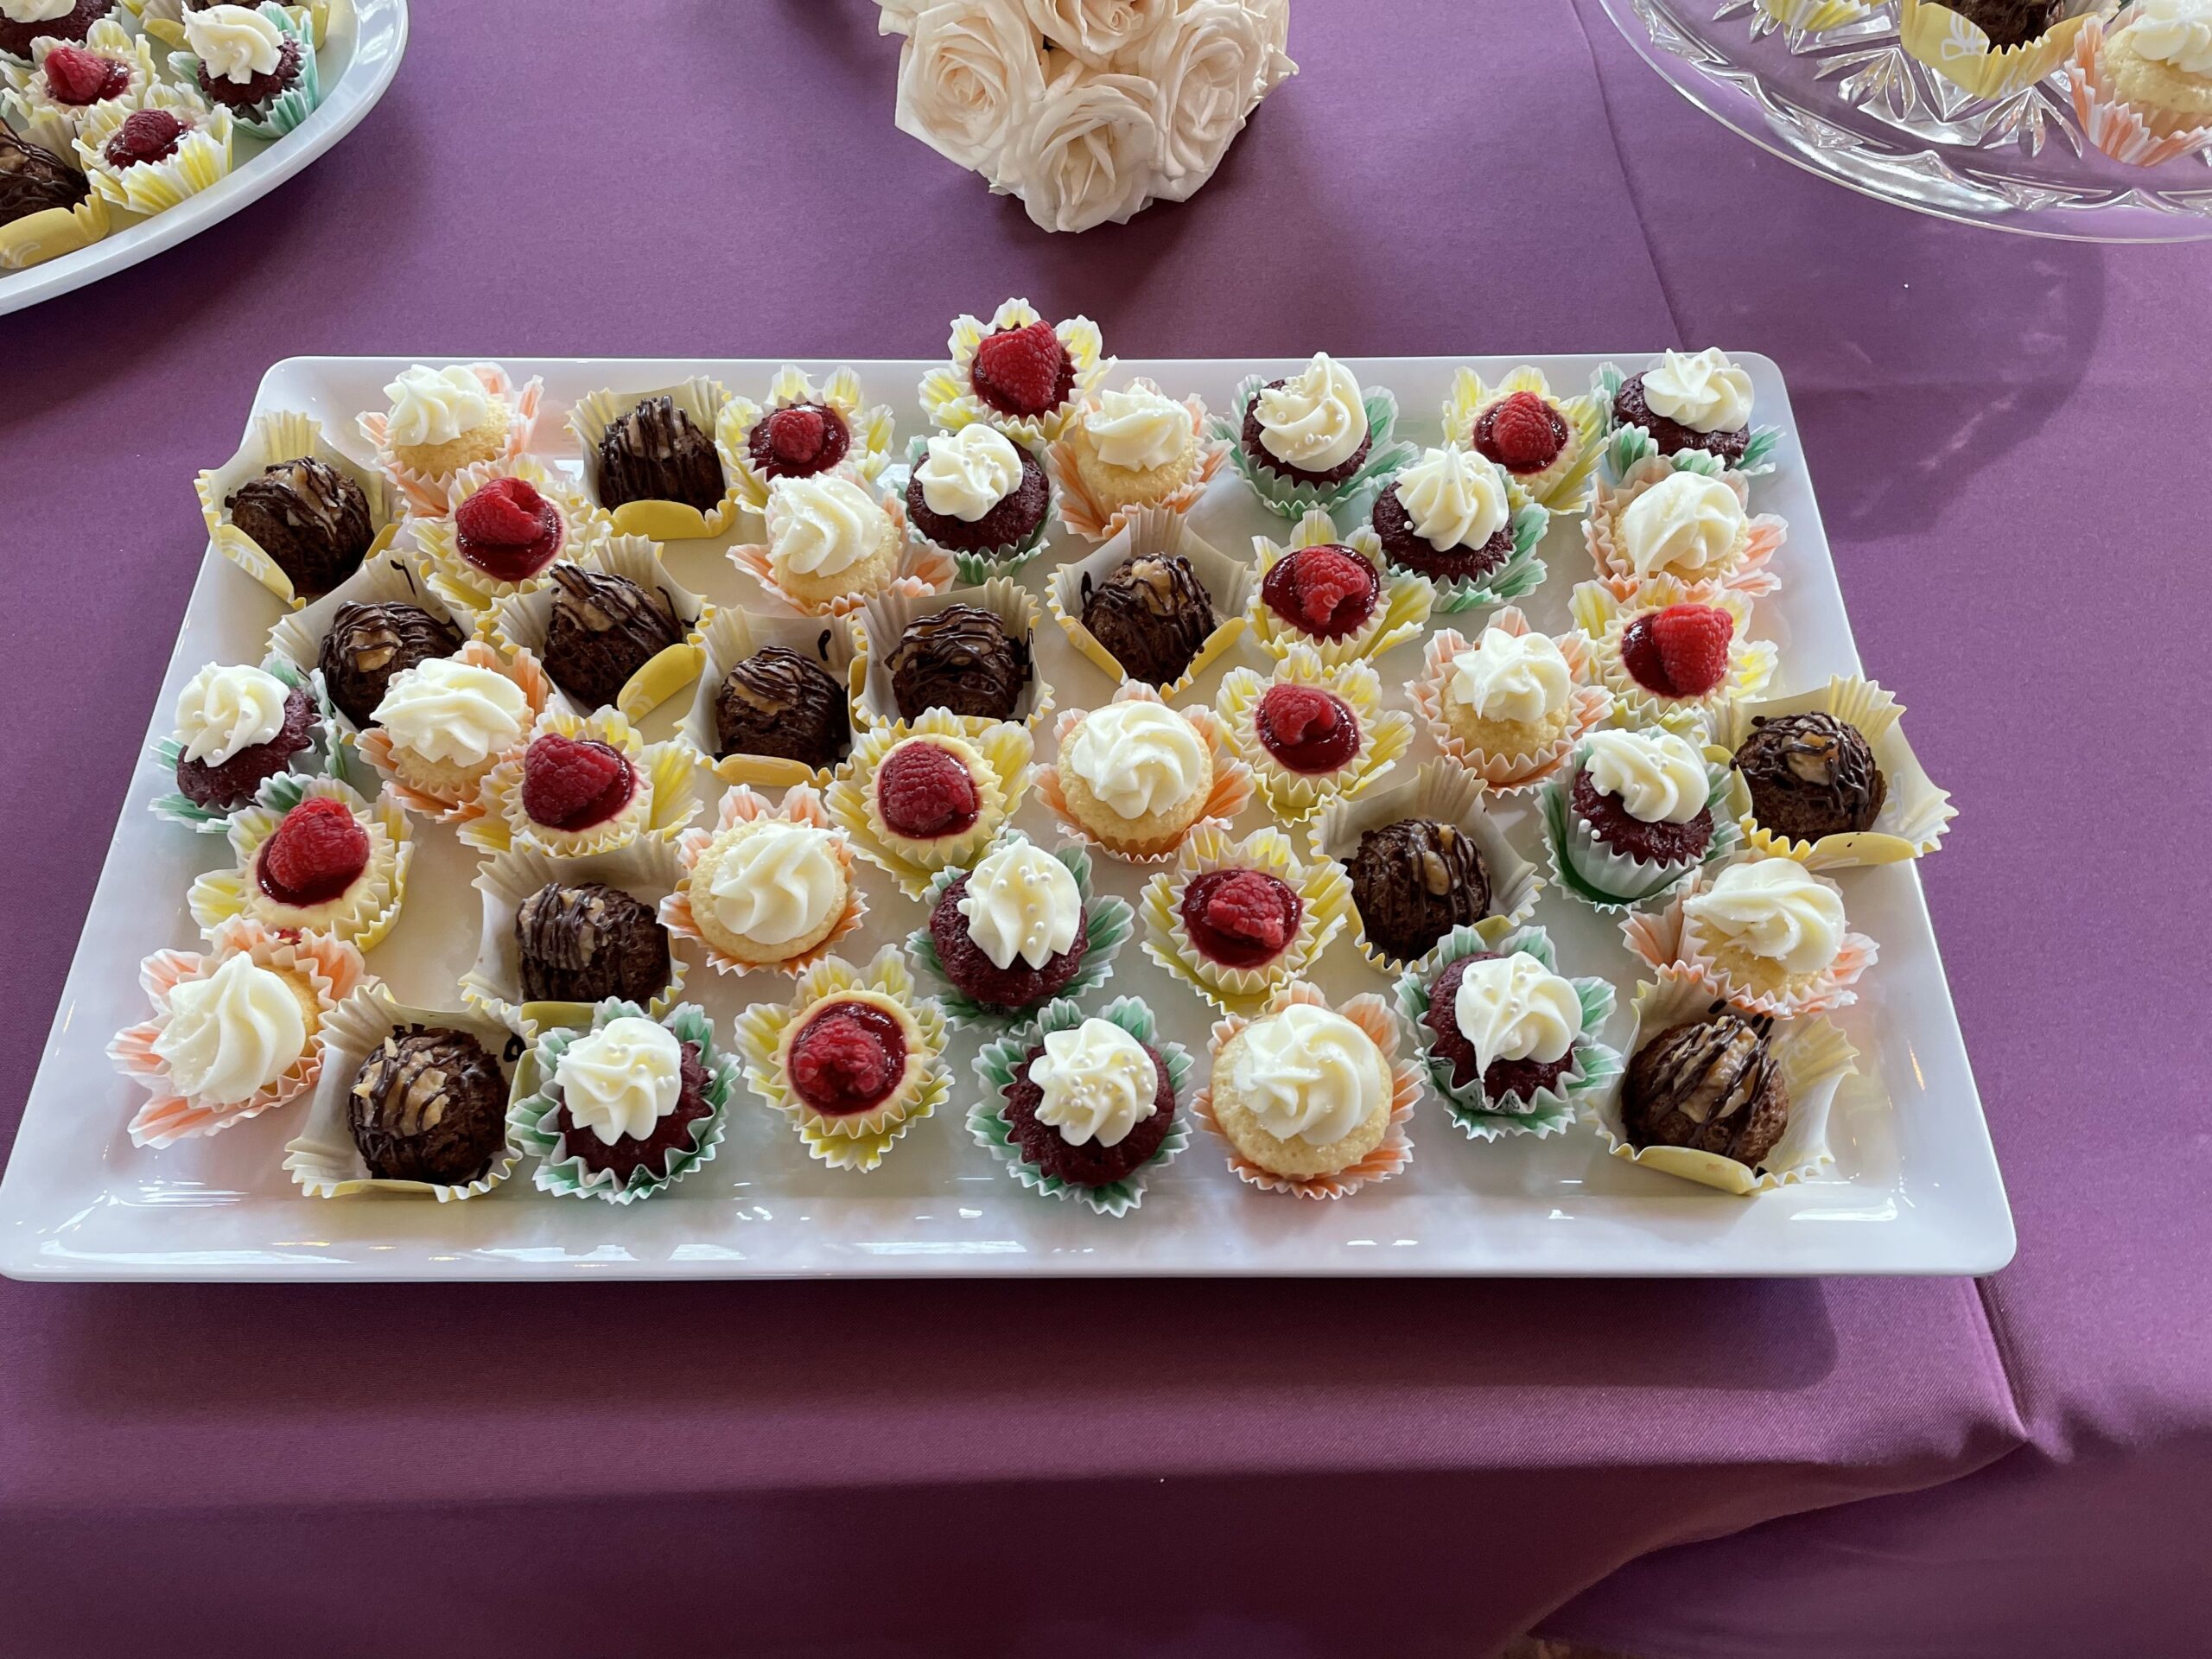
318, 852
1520, 432
1679, 652
1328, 592
146, 137
850, 1055
1240, 919
1503, 1079
1306, 730
570, 783
799, 440
926, 790
1024, 372
73, 25
76, 77
508, 531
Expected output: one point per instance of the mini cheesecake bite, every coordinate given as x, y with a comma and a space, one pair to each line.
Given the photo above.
1520, 432
1240, 919
1680, 652
799, 440
1307, 729
1326, 592
849, 1054
927, 791
508, 530
1025, 371
570, 785
314, 858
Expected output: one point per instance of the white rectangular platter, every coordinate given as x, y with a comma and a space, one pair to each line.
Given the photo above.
1914, 1188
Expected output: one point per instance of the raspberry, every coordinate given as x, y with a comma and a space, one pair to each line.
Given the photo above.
145, 135
316, 853
925, 791
795, 435
1328, 590
1693, 641
1023, 370
1522, 433
1640, 656
76, 76
1298, 713
1306, 730
848, 1058
568, 784
799, 440
507, 513
1248, 906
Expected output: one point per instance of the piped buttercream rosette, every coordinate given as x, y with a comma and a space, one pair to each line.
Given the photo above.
1628, 443
1723, 930
1373, 1016
278, 436
948, 392
973, 569
921, 568
1152, 532
294, 27
523, 620
663, 797
1606, 618
1293, 498
1587, 705
802, 806
1085, 515
361, 915
322, 747
1230, 793
1610, 881
1403, 600
436, 803
1292, 797
1562, 485
1680, 545
319, 972
201, 160
1324, 898
1523, 571
429, 491
868, 428
999, 756
700, 399
435, 540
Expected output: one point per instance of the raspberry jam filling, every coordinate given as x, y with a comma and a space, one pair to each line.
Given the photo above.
572, 785
1306, 730
318, 851
799, 440
925, 791
507, 530
77, 77
1680, 652
1523, 433
848, 1058
1325, 591
1241, 918
1023, 372
145, 135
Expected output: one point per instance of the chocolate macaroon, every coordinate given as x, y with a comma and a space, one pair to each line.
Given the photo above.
961, 659
309, 518
586, 944
786, 706
1630, 408
657, 453
367, 645
428, 1104
1709, 1084
1811, 775
33, 179
602, 630
1414, 881
1153, 613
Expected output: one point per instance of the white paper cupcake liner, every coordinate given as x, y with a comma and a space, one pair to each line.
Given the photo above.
701, 397
281, 435
1611, 882
885, 618
731, 635
1153, 532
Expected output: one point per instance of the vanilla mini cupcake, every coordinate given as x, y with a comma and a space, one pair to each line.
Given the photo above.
1510, 707
766, 888
1766, 934
917, 799
1311, 734
311, 857
441, 420
1689, 525
1134, 776
1130, 449
2142, 84
833, 544
444, 723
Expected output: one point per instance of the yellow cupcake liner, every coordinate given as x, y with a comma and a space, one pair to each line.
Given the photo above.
701, 397
1602, 614
375, 745
870, 429
521, 621
49, 233
948, 394
860, 1140
1402, 602
1084, 515
924, 569
1509, 774
1153, 532
1747, 571
731, 635
1814, 16
283, 436
331, 968
202, 157
1915, 813
1320, 886
1372, 1015
662, 803
47, 122
1445, 793
387, 578
647, 869
436, 542
1563, 486
323, 1159
219, 896
1004, 750
1230, 792
802, 803
1815, 1058
2115, 126
1293, 796
1669, 938
885, 618
429, 493
1959, 52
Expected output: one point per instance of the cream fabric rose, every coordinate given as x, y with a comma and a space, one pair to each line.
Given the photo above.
970, 77
1089, 153
1273, 18
1205, 64
1095, 30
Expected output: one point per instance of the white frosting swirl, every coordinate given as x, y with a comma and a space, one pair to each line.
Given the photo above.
1137, 756
1137, 429
235, 42
454, 713
1309, 1071
1773, 907
777, 882
1522, 677
1098, 1082
222, 711
1660, 778
1454, 497
968, 472
1685, 522
35, 11
1705, 392
1021, 902
1314, 420
232, 1033
820, 525
621, 1080
435, 406
1513, 1007
2177, 32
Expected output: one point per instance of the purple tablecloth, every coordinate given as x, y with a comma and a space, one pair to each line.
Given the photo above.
1328, 1468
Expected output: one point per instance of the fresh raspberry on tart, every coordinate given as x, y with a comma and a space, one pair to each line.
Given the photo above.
1680, 652
570, 783
1520, 432
1328, 591
799, 440
1240, 919
508, 530
924, 790
145, 137
1307, 730
314, 855
1023, 372
849, 1056
77, 78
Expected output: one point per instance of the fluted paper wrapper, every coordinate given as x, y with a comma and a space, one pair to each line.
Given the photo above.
219, 896
1748, 570
1603, 617
1522, 573
1611, 882
1294, 797
1509, 774
386, 578
284, 112
729, 636
1958, 50
2113, 125
48, 121
801, 804
435, 540
284, 436
202, 160
429, 491
52, 231
1006, 751
1629, 443
1230, 793
1668, 938
521, 621
664, 800
1293, 498
885, 618
702, 398
948, 392
1403, 600
1322, 890
1084, 515
1154, 532
165, 753
1563, 486
923, 568
972, 570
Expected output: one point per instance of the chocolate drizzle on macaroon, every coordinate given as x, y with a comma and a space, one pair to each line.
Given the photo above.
961, 659
1811, 775
427, 1105
1414, 881
785, 706
657, 453
1712, 1085
309, 518
602, 630
33, 179
1153, 613
367, 645
586, 944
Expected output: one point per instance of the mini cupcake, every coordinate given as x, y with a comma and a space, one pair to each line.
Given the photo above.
980, 498
1636, 813
1547, 444
919, 800
1134, 777
582, 786
236, 1032
612, 629
802, 430
506, 522
1017, 372
1016, 930
311, 857
1458, 518
1155, 603
258, 62
237, 728
854, 1061
1692, 411
64, 79
1667, 660
294, 514
1992, 48
2142, 84
1084, 1106
967, 651
775, 696
149, 159
766, 888
1510, 705
1687, 525
1311, 439
442, 422
560, 934
1310, 732
650, 462
445, 723
1312, 1100
623, 1106
1236, 919
1333, 594
833, 545
1765, 934
1130, 449
24, 23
